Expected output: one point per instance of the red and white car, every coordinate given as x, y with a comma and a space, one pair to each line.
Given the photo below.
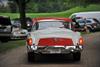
53, 36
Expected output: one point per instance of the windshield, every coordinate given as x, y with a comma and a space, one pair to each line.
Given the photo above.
56, 24
81, 21
85, 21
43, 25
5, 21
88, 21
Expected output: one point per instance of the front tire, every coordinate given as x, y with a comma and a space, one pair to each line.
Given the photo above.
77, 56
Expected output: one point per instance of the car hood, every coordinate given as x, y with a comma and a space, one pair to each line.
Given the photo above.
55, 32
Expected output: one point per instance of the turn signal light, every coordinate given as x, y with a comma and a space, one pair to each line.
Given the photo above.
81, 41
29, 41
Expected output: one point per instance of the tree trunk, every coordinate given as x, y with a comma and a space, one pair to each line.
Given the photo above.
22, 13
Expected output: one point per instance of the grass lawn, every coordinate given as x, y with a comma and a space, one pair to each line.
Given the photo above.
66, 13
10, 45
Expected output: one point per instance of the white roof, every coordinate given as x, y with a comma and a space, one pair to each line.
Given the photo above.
87, 12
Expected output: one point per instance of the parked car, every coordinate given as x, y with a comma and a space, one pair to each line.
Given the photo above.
28, 23
88, 25
5, 28
82, 15
16, 23
17, 31
53, 36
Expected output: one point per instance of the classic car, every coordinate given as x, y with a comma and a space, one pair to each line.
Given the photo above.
53, 36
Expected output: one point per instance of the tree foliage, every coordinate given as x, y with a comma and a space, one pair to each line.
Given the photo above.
38, 6
21, 6
56, 5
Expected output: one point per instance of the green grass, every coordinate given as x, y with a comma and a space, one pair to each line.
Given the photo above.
66, 13
10, 45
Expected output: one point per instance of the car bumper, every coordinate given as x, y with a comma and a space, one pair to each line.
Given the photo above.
56, 49
18, 37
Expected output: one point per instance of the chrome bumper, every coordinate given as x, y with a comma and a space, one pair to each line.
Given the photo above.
56, 49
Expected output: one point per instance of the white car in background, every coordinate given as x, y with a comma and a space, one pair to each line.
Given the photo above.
53, 36
17, 31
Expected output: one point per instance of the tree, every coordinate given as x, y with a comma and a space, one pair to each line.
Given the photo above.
12, 6
21, 5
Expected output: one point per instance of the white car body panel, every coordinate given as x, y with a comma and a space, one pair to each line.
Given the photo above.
17, 33
55, 32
